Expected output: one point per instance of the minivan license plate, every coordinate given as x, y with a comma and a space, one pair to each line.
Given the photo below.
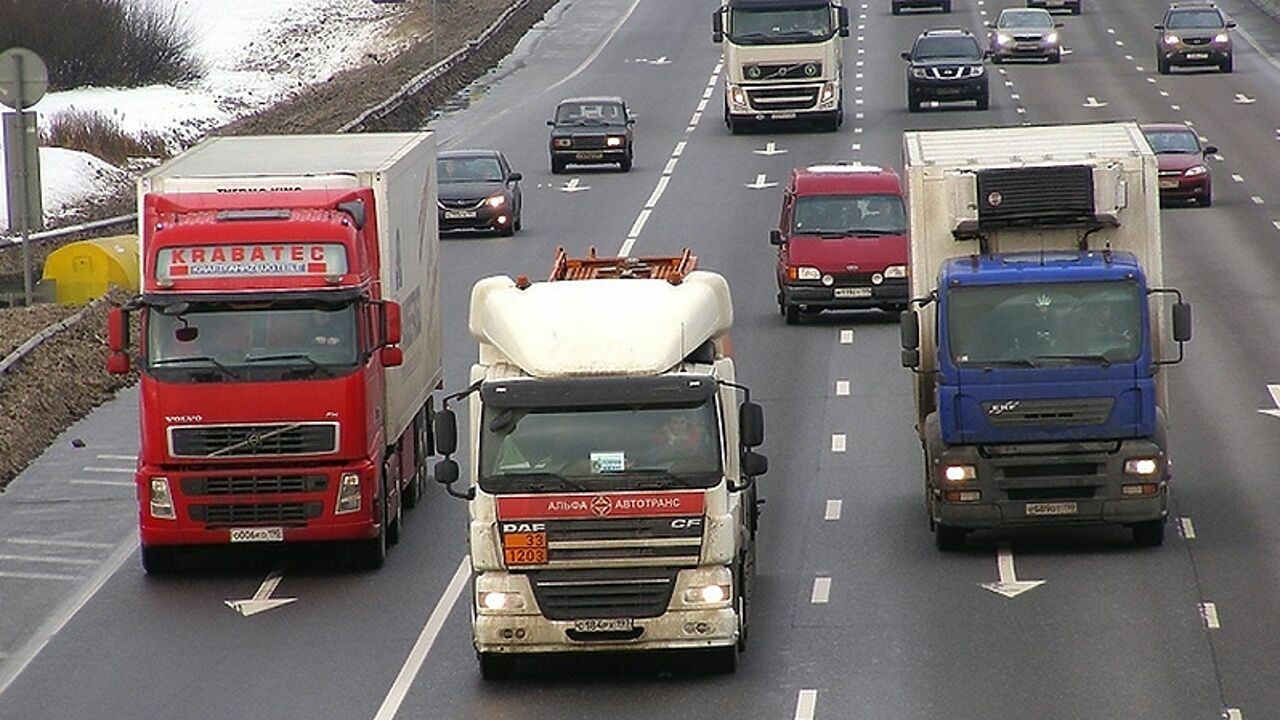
1041, 509
604, 625
263, 534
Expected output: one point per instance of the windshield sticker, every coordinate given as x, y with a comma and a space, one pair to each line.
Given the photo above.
611, 461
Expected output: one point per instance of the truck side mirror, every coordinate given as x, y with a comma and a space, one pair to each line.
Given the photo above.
842, 17
909, 329
775, 237
754, 464
117, 341
717, 27
391, 323
751, 424
446, 431
391, 356
447, 471
1182, 322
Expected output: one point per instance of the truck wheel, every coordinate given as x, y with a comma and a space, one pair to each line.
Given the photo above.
947, 538
1149, 533
495, 667
721, 661
736, 127
159, 560
1075, 9
792, 313
895, 9
371, 554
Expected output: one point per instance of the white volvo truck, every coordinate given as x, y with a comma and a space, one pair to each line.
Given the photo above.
610, 478
783, 61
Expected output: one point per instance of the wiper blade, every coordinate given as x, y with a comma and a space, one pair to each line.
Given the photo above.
1102, 360
659, 477
548, 478
1008, 362
858, 232
290, 356
192, 359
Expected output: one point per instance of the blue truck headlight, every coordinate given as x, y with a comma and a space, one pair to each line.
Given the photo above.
959, 473
1143, 467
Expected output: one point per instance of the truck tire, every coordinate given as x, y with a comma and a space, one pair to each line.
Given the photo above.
913, 105
159, 560
494, 667
721, 660
371, 554
736, 127
1075, 9
948, 538
1149, 533
895, 9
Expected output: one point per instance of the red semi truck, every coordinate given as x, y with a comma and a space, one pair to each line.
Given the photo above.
290, 342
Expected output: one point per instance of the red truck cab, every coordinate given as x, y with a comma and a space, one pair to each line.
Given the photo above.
842, 240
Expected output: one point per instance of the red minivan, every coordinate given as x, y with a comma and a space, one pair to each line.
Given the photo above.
842, 241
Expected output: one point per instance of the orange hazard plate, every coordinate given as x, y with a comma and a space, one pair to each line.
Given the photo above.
525, 556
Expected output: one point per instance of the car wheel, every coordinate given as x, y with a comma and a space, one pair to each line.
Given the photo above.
1075, 9
1055, 58
895, 10
913, 105
792, 314
518, 225
1227, 65
946, 6
507, 231
1162, 66
996, 59
1207, 200
984, 100
557, 166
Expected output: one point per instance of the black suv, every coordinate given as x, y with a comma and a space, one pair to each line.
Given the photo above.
590, 131
1194, 34
946, 65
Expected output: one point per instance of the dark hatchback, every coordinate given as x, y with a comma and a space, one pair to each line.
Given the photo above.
478, 191
591, 131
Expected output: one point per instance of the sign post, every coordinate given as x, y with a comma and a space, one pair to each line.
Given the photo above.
23, 81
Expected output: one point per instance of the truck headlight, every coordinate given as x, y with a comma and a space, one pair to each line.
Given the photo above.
496, 200
959, 473
563, 142
1171, 39
707, 594
1196, 171
738, 97
805, 273
828, 92
348, 494
1141, 466
895, 271
161, 501
497, 600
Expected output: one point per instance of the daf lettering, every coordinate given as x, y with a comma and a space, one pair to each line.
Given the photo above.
523, 527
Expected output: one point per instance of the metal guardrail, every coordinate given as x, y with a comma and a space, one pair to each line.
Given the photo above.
73, 229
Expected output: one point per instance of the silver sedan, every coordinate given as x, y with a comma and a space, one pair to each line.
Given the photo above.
1025, 33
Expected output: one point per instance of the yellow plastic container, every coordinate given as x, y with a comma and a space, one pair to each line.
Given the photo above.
82, 271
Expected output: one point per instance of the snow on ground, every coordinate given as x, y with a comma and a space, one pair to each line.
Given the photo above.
256, 52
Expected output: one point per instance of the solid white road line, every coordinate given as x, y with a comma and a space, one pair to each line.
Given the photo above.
833, 510
1232, 714
109, 483
806, 704
1209, 611
51, 560
427, 638
1257, 200
59, 543
118, 457
821, 591
1237, 178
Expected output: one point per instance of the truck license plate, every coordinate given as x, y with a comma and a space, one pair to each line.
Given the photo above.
1042, 509
263, 534
604, 625
853, 292
459, 214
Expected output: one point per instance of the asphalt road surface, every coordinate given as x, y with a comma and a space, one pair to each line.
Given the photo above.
857, 616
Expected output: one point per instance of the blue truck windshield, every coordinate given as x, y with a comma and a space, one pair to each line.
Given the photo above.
559, 449
1039, 324
769, 27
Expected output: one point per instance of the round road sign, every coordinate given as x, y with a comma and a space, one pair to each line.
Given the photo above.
23, 78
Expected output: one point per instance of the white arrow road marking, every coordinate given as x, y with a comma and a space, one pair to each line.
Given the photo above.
572, 186
1242, 99
1273, 389
655, 61
761, 183
1092, 102
261, 600
769, 149
1009, 585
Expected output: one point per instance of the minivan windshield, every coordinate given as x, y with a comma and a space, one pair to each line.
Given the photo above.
849, 215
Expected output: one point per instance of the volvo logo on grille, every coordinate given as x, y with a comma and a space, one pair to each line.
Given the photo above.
601, 505
253, 440
1004, 407
994, 199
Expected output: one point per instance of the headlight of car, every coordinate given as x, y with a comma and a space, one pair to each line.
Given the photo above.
1196, 171
1171, 39
895, 271
1002, 39
1051, 39
977, 70
496, 200
613, 141
1221, 38
805, 273
919, 73
564, 142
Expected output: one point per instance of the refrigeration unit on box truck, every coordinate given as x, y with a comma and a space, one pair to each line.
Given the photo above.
289, 341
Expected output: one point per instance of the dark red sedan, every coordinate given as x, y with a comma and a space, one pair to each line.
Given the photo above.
1184, 170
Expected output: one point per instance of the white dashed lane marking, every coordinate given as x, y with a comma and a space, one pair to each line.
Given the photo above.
806, 704
1209, 611
821, 591
838, 442
833, 510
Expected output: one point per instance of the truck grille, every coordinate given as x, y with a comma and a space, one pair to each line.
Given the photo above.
791, 97
624, 541
237, 441
253, 485
1035, 195
256, 514
782, 71
1024, 413
614, 593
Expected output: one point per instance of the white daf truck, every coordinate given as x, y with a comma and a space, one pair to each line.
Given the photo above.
610, 478
783, 61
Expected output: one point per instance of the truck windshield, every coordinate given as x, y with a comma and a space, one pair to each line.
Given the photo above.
1042, 324
753, 26
589, 449
250, 341
849, 215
